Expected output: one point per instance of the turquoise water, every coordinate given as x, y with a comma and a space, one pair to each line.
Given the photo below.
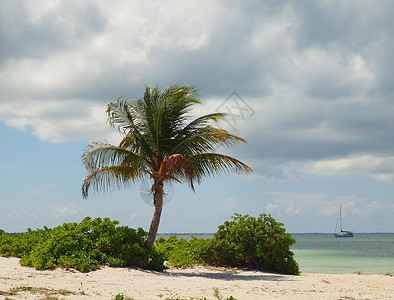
323, 253
365, 253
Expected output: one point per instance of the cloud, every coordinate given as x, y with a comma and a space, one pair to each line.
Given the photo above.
379, 167
96, 50
271, 207
317, 76
41, 190
295, 203
351, 205
61, 210
307, 205
230, 203
45, 28
57, 121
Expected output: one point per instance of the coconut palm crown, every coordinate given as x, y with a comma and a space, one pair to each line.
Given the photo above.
159, 141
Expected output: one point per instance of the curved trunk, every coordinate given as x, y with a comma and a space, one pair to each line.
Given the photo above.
158, 202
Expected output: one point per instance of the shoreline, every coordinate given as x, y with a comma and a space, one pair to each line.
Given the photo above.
189, 283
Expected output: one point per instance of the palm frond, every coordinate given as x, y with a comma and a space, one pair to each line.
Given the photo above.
177, 166
111, 178
211, 164
98, 155
196, 124
205, 139
119, 115
171, 114
128, 118
203, 121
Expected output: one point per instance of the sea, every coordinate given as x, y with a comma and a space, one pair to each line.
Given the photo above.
366, 253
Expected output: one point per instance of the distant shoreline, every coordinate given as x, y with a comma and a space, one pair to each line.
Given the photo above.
212, 233
209, 233
292, 233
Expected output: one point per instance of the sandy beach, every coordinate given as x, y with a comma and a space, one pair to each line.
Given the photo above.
18, 282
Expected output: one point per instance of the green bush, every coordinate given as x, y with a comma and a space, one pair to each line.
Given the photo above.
247, 242
182, 252
18, 245
256, 243
84, 246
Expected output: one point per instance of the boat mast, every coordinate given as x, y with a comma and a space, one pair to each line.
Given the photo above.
340, 217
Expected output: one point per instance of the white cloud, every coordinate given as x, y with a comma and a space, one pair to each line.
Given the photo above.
295, 203
41, 190
271, 207
308, 205
58, 121
230, 203
351, 205
289, 198
378, 167
61, 210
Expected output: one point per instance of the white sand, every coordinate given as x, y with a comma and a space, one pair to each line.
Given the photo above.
192, 283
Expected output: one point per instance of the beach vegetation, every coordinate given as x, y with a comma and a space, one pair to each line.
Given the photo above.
123, 297
48, 292
180, 252
218, 295
82, 246
244, 242
162, 142
255, 243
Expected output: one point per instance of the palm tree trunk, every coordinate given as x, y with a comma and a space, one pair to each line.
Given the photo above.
158, 202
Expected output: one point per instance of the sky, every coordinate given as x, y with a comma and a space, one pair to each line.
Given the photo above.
309, 85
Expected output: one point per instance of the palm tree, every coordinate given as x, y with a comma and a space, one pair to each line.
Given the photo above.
160, 141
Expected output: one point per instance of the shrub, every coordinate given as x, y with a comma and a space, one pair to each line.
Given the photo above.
21, 244
256, 243
247, 242
182, 252
84, 246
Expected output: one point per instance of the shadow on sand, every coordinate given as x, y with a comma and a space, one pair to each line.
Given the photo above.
228, 275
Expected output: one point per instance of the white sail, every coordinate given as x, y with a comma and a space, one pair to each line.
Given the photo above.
342, 233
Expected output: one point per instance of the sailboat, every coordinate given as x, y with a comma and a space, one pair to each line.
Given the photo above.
342, 233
